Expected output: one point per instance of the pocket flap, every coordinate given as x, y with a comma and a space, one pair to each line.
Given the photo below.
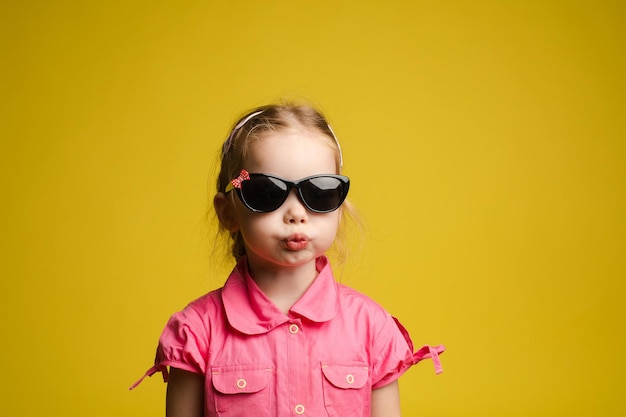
240, 380
346, 376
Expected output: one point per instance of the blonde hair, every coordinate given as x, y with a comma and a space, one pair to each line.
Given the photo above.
250, 128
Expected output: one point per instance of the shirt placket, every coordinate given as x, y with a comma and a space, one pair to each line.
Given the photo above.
298, 365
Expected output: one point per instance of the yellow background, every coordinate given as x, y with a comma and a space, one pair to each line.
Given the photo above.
485, 141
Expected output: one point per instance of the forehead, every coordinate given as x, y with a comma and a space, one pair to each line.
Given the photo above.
292, 154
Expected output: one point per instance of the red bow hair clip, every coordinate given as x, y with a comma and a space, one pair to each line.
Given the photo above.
236, 183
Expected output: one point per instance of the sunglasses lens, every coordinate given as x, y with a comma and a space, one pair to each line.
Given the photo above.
263, 194
323, 194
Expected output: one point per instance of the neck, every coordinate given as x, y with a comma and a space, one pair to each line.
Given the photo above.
283, 285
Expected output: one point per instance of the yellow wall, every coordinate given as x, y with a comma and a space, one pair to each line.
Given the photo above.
486, 144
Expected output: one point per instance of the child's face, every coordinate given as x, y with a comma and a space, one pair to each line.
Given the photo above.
290, 235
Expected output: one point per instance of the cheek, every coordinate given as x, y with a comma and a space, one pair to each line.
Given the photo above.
242, 216
256, 224
331, 223
337, 221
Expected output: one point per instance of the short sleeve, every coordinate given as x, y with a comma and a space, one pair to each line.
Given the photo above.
183, 343
394, 353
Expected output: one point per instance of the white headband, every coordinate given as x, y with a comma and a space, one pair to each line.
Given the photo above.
229, 140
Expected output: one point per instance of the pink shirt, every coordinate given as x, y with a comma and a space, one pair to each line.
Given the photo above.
323, 358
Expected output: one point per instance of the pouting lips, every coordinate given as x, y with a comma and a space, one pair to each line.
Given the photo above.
296, 242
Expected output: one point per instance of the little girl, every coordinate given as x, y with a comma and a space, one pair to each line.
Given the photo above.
282, 337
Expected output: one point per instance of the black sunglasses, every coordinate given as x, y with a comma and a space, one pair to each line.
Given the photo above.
264, 193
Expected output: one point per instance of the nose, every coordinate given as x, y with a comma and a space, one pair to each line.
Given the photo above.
295, 211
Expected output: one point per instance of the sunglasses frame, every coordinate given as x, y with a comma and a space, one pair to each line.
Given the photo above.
236, 185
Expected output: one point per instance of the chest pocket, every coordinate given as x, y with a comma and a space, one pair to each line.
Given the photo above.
346, 390
242, 390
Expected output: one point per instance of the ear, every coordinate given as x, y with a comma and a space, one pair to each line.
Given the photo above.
225, 212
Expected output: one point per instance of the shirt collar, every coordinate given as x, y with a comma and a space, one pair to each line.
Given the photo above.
249, 311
